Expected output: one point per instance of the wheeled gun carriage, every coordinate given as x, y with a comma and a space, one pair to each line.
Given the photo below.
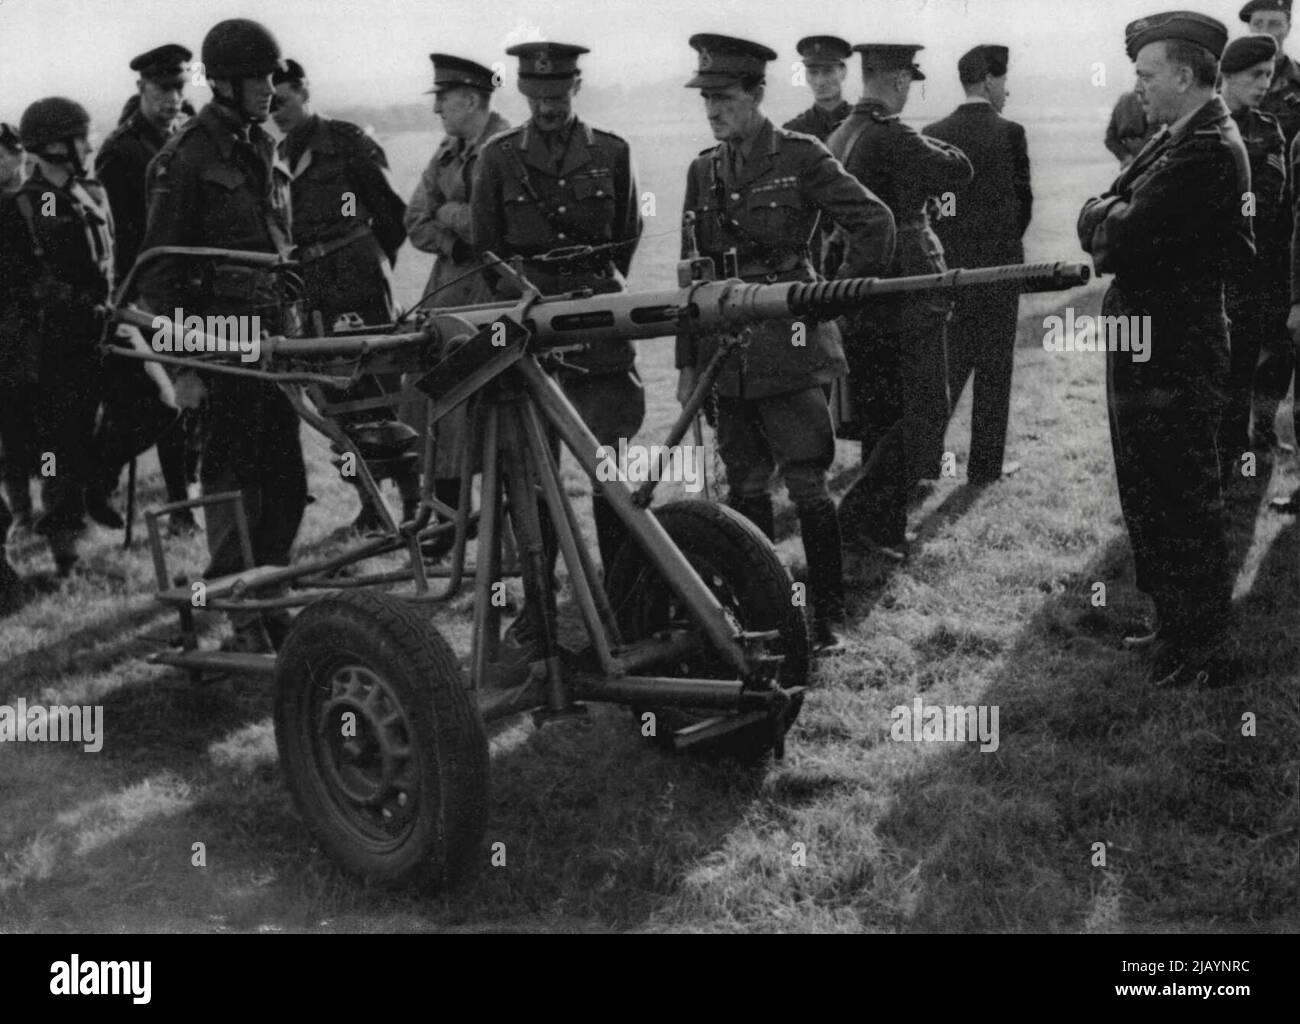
379, 730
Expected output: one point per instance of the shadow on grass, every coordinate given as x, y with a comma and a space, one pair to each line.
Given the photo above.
1198, 820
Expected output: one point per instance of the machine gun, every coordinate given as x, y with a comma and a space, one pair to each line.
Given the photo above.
693, 625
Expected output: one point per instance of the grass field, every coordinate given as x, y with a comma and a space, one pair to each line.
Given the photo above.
604, 833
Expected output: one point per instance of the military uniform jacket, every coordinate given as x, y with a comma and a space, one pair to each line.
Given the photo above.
53, 272
819, 123
342, 253
526, 202
1283, 97
214, 185
438, 217
766, 212
1169, 228
1266, 151
121, 166
992, 211
904, 168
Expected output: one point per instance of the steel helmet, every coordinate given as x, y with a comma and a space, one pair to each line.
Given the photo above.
52, 119
240, 48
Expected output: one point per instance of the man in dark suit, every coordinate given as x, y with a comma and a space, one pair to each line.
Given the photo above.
988, 219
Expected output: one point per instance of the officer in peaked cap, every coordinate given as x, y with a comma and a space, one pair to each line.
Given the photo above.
438, 222
121, 166
757, 195
1169, 228
456, 72
824, 57
897, 361
558, 183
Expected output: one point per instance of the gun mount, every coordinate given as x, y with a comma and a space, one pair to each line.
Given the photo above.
402, 798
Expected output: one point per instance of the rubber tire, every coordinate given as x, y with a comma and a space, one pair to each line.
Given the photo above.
742, 568
443, 731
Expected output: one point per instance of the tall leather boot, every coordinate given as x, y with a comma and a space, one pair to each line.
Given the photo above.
820, 526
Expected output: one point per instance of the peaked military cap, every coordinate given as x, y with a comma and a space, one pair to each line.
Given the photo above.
1185, 25
980, 61
163, 63
455, 72
725, 60
890, 57
291, 72
1265, 5
1247, 51
823, 51
9, 137
546, 69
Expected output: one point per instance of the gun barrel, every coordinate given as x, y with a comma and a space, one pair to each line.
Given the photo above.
567, 320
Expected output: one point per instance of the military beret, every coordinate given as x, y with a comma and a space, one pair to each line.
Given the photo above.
890, 57
166, 62
455, 72
291, 72
9, 137
1265, 5
546, 69
980, 61
1247, 51
725, 60
1185, 25
823, 51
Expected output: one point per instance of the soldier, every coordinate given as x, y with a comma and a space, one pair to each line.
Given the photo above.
347, 224
438, 221
555, 182
824, 58
17, 397
758, 193
1128, 130
121, 166
897, 365
1278, 362
990, 216
56, 266
215, 183
1168, 229
1256, 292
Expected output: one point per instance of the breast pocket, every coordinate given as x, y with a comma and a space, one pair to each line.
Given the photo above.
593, 199
229, 205
779, 216
527, 228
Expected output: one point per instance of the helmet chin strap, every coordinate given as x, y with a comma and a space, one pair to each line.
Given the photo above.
71, 160
235, 101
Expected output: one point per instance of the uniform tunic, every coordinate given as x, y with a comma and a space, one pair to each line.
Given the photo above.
1169, 229
819, 122
215, 184
532, 193
762, 201
54, 270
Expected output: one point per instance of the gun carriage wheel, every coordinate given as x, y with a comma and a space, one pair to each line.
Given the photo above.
740, 566
382, 745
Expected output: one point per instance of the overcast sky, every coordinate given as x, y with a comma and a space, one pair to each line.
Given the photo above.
375, 51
